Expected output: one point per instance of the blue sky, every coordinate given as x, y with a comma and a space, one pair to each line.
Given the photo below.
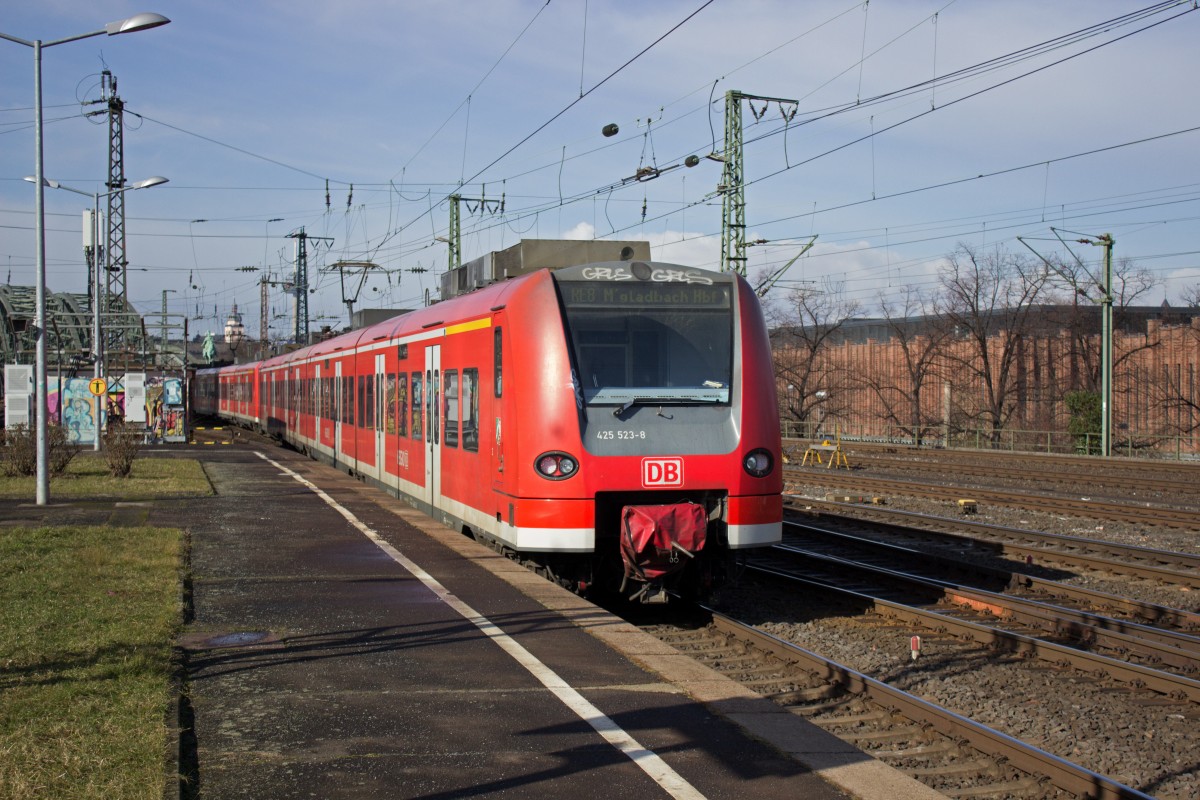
250, 107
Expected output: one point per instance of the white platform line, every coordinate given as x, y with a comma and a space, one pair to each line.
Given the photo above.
650, 762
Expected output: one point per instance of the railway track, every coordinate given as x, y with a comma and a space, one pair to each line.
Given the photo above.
949, 752
1010, 578
1028, 546
1117, 463
1141, 513
1123, 481
216, 433
1161, 660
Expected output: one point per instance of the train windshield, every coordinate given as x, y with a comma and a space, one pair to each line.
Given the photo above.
639, 341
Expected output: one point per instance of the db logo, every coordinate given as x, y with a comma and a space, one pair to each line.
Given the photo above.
662, 472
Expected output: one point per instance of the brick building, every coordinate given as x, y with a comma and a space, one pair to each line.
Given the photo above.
916, 378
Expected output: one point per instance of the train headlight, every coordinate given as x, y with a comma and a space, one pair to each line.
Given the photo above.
758, 463
556, 466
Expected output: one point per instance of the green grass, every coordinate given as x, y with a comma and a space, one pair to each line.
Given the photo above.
87, 478
88, 616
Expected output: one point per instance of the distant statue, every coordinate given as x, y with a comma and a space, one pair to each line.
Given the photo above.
209, 350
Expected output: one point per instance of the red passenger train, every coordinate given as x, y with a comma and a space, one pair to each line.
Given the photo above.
615, 423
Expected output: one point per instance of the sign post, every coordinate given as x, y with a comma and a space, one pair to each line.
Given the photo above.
99, 389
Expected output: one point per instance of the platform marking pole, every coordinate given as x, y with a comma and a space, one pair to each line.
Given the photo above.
649, 761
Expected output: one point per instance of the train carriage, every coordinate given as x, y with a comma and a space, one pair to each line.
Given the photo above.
615, 422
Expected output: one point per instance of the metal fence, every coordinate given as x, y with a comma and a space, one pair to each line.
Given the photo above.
1127, 443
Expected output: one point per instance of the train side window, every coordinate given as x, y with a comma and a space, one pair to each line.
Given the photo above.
380, 397
470, 410
360, 416
402, 404
368, 402
390, 399
498, 358
450, 403
418, 399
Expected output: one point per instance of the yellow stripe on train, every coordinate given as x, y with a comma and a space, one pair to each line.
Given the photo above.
473, 325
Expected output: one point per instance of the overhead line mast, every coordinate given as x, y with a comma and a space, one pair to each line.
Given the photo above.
300, 283
114, 301
454, 234
733, 185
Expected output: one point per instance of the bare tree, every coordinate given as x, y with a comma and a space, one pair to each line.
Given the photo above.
801, 333
1191, 296
986, 301
1168, 388
911, 328
1130, 282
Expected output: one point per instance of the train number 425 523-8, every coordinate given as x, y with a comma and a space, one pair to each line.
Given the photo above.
620, 435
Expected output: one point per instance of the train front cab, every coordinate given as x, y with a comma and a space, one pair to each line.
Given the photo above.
646, 430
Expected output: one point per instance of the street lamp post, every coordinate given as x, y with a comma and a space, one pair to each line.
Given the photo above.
137, 22
98, 269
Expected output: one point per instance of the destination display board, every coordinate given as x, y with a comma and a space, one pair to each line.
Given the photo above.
639, 294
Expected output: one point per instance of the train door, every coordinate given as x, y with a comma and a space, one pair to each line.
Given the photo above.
338, 401
318, 419
505, 426
433, 423
287, 412
381, 402
294, 406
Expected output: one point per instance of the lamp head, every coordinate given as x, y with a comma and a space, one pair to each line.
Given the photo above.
45, 181
153, 180
138, 22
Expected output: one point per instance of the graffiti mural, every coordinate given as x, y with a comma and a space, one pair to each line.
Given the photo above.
173, 411
78, 406
165, 409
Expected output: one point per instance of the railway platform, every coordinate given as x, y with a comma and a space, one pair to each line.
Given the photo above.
339, 644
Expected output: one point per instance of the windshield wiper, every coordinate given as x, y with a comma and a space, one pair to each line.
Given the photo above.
661, 401
619, 410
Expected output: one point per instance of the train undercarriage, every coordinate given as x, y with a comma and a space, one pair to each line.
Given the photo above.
647, 550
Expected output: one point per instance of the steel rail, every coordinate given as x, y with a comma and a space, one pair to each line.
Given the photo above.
1177, 650
1143, 562
1063, 774
1179, 619
1095, 509
1047, 473
1165, 683
1115, 463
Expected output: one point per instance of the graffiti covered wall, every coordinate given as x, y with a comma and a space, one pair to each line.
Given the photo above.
73, 404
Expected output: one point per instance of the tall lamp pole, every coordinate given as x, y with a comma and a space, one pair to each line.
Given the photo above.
1106, 342
98, 268
138, 22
